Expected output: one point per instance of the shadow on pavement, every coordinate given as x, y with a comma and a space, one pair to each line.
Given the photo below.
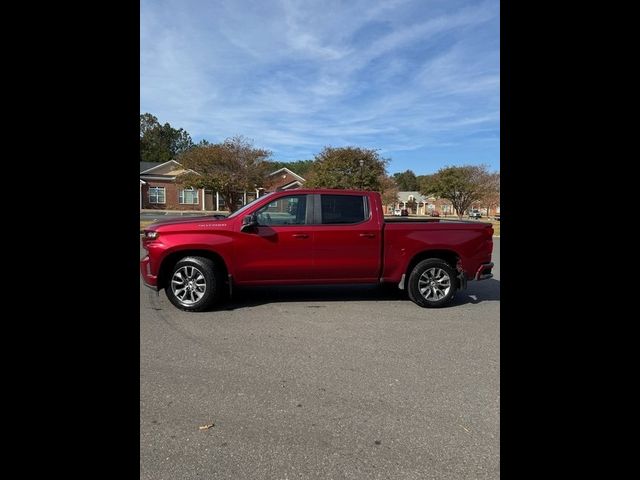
476, 292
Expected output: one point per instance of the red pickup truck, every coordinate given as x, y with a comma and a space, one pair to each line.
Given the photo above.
299, 237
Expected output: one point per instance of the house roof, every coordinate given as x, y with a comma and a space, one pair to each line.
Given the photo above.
283, 179
171, 169
147, 165
167, 170
286, 170
404, 196
290, 185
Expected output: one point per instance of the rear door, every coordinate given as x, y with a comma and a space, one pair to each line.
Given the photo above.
347, 243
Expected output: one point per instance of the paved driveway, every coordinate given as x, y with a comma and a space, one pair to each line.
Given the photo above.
339, 382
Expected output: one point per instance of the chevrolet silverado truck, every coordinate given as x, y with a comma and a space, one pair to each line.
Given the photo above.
313, 237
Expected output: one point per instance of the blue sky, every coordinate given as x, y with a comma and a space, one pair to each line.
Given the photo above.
416, 79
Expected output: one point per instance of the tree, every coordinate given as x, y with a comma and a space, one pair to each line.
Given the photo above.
388, 190
491, 200
341, 168
407, 181
161, 143
419, 180
147, 123
462, 186
230, 168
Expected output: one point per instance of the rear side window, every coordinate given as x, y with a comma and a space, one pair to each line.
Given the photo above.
338, 209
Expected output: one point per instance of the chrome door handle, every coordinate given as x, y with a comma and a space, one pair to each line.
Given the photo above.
368, 235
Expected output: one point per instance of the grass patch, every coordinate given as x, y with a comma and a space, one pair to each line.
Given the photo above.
145, 223
495, 223
496, 228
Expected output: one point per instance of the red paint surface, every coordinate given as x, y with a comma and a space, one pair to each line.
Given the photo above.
366, 252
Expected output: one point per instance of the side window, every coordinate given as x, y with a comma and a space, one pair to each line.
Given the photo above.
188, 196
284, 211
156, 195
338, 209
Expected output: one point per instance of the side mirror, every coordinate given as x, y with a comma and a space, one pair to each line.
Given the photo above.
249, 222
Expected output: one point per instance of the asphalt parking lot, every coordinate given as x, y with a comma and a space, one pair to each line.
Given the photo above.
322, 382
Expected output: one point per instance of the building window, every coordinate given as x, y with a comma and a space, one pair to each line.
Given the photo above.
189, 196
156, 195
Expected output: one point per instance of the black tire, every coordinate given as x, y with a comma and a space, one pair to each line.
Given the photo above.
432, 276
197, 272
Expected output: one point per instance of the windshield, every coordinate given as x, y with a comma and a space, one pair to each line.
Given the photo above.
244, 209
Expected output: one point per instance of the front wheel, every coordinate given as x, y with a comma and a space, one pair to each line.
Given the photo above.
194, 284
432, 283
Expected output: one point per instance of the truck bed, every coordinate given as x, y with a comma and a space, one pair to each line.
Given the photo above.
395, 219
471, 240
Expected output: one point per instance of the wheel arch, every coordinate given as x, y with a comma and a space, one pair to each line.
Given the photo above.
441, 294
448, 256
174, 257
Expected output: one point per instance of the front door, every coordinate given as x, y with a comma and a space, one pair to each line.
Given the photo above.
279, 249
209, 200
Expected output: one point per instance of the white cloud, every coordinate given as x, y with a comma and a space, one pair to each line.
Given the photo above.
298, 75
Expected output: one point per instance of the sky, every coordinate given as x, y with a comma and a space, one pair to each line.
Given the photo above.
417, 80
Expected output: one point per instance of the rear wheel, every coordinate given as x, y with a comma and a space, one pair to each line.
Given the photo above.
194, 284
432, 283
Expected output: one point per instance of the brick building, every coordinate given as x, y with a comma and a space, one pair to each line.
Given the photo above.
160, 190
283, 179
418, 204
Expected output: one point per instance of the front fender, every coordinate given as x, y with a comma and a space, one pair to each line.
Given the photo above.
172, 243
